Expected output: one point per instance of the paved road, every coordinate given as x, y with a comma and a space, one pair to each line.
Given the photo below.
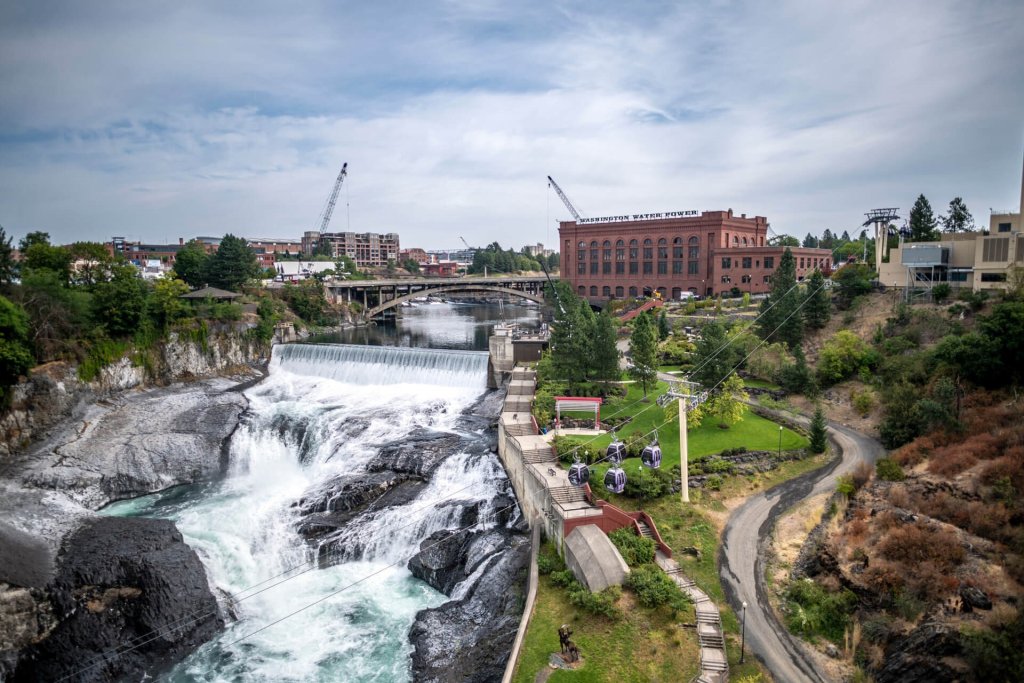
742, 570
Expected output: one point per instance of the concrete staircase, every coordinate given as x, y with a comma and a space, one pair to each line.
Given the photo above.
714, 665
645, 530
568, 494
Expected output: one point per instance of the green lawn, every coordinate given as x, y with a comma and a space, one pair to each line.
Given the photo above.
760, 383
642, 645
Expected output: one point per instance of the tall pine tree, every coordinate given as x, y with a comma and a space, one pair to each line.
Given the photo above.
923, 223
605, 357
818, 436
780, 319
643, 347
818, 308
713, 357
572, 336
959, 219
810, 241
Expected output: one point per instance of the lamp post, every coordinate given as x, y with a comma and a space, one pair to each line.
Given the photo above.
780, 442
743, 634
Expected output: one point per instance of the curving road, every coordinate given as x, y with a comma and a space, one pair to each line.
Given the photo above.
741, 568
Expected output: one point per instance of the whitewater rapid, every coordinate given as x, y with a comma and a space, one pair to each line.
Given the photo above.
323, 411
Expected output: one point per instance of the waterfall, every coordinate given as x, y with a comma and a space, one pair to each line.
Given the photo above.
324, 411
369, 365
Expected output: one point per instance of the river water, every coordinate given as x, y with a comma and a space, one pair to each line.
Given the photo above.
322, 411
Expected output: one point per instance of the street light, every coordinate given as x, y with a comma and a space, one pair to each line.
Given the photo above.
780, 442
743, 634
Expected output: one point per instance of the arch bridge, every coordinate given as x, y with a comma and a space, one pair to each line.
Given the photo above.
378, 296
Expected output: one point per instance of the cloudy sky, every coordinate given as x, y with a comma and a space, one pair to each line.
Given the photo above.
166, 119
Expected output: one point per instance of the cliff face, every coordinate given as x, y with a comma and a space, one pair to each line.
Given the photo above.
54, 392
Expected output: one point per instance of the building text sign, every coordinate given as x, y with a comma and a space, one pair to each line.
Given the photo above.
640, 217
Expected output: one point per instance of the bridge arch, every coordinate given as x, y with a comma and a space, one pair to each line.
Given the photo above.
456, 288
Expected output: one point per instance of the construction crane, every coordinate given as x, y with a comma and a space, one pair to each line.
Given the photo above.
565, 200
325, 215
469, 248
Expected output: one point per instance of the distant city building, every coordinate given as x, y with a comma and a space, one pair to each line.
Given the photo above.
978, 260
538, 251
293, 271
367, 249
267, 249
415, 253
685, 251
439, 269
464, 257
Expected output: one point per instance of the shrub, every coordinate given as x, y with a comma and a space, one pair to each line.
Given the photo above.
635, 550
888, 469
842, 356
563, 578
844, 485
814, 611
102, 352
940, 292
713, 483
602, 603
548, 563
654, 588
863, 401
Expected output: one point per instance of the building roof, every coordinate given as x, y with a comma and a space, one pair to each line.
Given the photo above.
211, 293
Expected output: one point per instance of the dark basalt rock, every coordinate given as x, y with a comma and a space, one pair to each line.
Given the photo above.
922, 656
441, 559
330, 506
974, 598
421, 453
468, 640
119, 582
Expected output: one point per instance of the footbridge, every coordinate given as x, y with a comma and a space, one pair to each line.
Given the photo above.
377, 296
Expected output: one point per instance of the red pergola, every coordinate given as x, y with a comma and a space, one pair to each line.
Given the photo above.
576, 404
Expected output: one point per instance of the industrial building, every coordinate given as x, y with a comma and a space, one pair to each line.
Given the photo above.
670, 253
367, 249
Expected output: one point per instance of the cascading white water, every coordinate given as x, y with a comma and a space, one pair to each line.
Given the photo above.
323, 411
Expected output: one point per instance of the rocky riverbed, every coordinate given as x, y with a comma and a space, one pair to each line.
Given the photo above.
74, 584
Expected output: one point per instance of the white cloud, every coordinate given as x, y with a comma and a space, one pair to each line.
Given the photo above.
451, 115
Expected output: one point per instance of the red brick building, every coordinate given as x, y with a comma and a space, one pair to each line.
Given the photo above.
627, 256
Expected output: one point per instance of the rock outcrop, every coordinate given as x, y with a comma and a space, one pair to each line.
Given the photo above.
130, 586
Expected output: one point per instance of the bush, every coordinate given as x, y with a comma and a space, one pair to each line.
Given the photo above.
888, 469
863, 401
102, 352
548, 563
635, 550
814, 611
654, 588
602, 603
940, 292
713, 483
563, 578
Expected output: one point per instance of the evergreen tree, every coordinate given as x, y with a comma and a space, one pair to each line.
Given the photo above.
810, 241
15, 346
923, 222
605, 357
780, 320
118, 305
233, 265
663, 328
819, 435
827, 240
959, 219
713, 356
818, 308
190, 264
7, 265
643, 347
571, 336
845, 237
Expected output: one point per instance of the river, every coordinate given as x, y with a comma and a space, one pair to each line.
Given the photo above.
322, 412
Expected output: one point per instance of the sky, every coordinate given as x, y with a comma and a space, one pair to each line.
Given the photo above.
160, 119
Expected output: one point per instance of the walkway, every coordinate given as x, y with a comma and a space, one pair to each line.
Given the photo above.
714, 665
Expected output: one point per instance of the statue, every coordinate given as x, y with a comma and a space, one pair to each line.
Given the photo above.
574, 652
564, 633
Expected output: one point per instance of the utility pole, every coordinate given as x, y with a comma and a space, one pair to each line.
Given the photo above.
687, 401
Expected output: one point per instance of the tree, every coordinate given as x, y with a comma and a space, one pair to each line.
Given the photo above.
845, 237
780, 319
33, 238
41, 255
714, 357
959, 219
15, 349
605, 357
784, 241
923, 222
852, 280
843, 355
819, 435
92, 263
8, 268
818, 308
810, 241
190, 264
827, 240
118, 304
58, 316
663, 328
411, 265
164, 304
572, 335
643, 348
729, 404
233, 265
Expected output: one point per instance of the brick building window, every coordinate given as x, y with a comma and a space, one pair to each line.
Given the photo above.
648, 268
693, 268
662, 267
747, 261
620, 250
769, 262
593, 267
677, 247
632, 291
726, 262
593, 290
581, 269
606, 291
767, 279
606, 268
662, 248
634, 252
620, 268
634, 267
593, 250
606, 249
581, 251
648, 249
619, 292
745, 279
582, 290
726, 279
677, 267
801, 261
694, 246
